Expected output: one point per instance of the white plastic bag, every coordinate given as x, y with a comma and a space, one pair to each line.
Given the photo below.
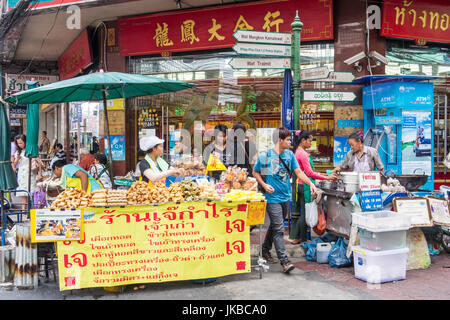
312, 214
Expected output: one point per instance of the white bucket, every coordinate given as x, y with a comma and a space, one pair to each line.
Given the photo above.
323, 249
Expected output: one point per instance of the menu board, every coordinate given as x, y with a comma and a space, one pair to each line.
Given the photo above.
370, 194
439, 211
417, 208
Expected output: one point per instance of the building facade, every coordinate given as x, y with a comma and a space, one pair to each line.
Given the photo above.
173, 40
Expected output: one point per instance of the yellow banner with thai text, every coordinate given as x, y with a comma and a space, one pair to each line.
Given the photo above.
167, 242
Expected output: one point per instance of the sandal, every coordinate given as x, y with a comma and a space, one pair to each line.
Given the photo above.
136, 288
295, 241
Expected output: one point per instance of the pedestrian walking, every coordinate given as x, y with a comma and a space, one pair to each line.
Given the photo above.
44, 145
273, 170
95, 146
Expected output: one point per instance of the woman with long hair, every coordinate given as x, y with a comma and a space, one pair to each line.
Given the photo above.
23, 164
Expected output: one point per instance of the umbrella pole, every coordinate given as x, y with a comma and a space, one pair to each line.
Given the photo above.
2, 223
29, 181
105, 108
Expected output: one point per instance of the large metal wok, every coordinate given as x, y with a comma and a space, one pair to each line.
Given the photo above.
411, 182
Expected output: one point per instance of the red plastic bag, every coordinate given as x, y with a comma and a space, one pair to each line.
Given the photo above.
319, 229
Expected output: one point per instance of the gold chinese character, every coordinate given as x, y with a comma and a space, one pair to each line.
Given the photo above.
275, 23
213, 31
187, 32
162, 36
241, 24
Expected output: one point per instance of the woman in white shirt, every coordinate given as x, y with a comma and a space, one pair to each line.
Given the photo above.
23, 164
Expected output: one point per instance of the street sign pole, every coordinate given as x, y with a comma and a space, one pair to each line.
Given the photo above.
295, 64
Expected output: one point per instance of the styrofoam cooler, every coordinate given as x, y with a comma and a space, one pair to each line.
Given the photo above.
382, 240
380, 266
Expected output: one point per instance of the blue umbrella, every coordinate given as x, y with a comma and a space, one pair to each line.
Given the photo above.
286, 100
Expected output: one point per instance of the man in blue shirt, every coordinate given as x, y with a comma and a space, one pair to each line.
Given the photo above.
273, 170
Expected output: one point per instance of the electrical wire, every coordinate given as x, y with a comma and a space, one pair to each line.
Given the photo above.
45, 38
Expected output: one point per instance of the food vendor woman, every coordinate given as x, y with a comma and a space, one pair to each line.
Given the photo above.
154, 168
361, 158
73, 176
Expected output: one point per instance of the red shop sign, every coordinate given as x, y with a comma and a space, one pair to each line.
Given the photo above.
213, 27
419, 20
76, 58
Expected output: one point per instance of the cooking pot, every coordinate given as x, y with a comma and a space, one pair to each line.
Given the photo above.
349, 177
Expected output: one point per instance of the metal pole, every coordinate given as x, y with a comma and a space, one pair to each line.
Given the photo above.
78, 145
105, 107
260, 251
437, 135
445, 130
3, 224
295, 66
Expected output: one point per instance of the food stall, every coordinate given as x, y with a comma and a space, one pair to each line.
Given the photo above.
185, 230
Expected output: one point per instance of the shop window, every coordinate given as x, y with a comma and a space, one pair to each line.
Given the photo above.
409, 59
221, 95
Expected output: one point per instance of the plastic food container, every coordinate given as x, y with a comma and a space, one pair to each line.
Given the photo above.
323, 249
380, 266
377, 221
384, 240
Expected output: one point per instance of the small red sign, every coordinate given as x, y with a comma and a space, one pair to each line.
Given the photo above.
242, 207
213, 27
419, 20
76, 58
70, 281
240, 265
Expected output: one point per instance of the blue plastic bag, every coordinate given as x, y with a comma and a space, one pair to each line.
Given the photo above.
337, 258
311, 254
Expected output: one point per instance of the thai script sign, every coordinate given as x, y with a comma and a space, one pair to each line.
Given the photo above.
167, 242
17, 82
76, 58
420, 20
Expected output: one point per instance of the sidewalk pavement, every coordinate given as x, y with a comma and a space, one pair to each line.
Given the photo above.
426, 284
308, 281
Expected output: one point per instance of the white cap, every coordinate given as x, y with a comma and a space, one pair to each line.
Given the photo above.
148, 142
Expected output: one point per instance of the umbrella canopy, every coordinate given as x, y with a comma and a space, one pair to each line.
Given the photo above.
32, 149
98, 86
8, 179
90, 88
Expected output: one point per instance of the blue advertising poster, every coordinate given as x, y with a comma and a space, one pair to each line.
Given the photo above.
341, 148
117, 147
398, 94
416, 142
